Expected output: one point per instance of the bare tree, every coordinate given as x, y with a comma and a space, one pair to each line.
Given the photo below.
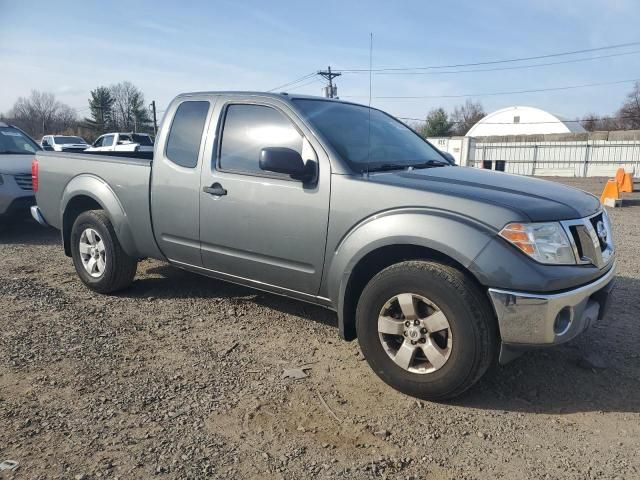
592, 123
466, 116
66, 120
629, 113
128, 110
40, 114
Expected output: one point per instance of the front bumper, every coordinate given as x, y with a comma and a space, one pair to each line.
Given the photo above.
536, 319
14, 200
17, 207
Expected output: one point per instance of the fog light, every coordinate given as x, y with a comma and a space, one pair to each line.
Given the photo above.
563, 321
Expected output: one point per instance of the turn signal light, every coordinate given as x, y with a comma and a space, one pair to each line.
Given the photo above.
34, 175
517, 235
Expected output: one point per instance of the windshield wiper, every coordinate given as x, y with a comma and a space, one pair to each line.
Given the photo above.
431, 164
403, 166
388, 166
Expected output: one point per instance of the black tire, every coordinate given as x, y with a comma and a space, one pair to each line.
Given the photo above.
471, 319
120, 268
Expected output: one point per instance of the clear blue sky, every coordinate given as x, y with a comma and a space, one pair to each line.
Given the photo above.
68, 48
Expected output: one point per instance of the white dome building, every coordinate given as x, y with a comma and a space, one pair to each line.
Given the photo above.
522, 121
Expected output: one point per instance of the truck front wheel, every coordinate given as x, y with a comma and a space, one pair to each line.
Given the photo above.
426, 329
100, 261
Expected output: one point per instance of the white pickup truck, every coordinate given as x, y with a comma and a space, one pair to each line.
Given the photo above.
122, 142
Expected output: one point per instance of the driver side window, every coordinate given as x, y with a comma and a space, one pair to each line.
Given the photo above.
250, 128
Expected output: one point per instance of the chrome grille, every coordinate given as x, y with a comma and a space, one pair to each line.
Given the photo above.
24, 181
594, 222
591, 239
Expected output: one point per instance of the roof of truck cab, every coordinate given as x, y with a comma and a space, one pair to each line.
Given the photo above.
279, 95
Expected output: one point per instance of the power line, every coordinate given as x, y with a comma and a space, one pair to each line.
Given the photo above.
313, 80
491, 94
517, 67
301, 79
494, 62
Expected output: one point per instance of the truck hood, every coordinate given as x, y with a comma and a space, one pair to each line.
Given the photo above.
15, 164
539, 200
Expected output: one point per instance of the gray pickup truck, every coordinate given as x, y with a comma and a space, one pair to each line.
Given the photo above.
436, 269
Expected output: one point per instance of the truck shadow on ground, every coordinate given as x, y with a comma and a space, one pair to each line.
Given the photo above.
548, 381
27, 232
169, 282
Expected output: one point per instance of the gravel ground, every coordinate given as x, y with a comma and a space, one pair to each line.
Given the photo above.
180, 377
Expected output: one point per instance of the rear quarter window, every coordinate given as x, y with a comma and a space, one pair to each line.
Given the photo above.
185, 135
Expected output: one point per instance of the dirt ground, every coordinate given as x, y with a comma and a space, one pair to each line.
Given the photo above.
180, 377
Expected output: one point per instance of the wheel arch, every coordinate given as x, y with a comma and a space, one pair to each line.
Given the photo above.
88, 192
373, 263
370, 248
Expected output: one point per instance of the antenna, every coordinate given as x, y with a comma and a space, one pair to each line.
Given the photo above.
370, 89
370, 68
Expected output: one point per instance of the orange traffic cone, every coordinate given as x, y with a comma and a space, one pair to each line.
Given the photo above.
620, 176
611, 194
627, 183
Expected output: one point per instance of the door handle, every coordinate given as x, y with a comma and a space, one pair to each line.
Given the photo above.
215, 189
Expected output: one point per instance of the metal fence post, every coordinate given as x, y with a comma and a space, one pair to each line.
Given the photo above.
535, 159
585, 166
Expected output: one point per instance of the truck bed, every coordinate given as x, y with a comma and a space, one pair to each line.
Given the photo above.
127, 177
125, 155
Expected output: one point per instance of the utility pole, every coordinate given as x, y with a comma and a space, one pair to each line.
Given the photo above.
330, 91
155, 122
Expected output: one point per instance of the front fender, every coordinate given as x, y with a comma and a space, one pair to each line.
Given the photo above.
97, 189
452, 235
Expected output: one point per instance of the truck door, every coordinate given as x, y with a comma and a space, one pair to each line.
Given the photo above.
107, 143
255, 225
96, 146
175, 182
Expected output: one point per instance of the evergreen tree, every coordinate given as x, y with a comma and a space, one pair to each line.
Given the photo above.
100, 104
437, 124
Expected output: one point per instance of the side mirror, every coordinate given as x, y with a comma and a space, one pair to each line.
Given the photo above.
287, 161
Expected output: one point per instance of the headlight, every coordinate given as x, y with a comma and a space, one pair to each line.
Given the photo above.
544, 242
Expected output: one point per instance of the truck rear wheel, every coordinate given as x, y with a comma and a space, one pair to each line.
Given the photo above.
100, 261
426, 329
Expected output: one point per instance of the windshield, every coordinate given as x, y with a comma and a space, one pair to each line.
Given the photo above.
142, 139
64, 140
13, 141
390, 143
